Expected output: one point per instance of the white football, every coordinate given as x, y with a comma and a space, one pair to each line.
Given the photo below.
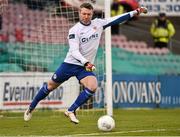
106, 123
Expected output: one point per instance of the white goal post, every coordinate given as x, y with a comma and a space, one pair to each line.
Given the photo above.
108, 61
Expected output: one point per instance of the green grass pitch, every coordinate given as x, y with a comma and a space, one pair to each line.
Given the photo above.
135, 122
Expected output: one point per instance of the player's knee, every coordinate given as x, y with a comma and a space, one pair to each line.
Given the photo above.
90, 82
92, 87
52, 85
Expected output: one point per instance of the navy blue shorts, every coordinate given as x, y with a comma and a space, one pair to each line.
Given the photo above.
66, 70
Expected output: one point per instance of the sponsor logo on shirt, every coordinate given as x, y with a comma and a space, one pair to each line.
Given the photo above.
71, 36
92, 37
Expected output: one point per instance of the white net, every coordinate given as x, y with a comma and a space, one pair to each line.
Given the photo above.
35, 36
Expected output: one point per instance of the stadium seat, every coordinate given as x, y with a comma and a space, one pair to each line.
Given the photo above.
131, 57
9, 67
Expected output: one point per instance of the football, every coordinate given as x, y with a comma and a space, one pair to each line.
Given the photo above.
106, 123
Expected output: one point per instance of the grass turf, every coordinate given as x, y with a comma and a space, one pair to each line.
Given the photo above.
155, 122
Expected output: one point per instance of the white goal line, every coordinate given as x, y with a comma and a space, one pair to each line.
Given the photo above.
130, 131
108, 133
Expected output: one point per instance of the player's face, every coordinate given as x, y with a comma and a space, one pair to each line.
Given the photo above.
85, 15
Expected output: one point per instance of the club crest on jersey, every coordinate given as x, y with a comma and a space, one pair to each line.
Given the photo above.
54, 76
92, 37
95, 28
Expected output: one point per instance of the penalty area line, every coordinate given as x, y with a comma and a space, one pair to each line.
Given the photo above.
124, 132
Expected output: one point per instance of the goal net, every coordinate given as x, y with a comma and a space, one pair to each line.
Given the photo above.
34, 34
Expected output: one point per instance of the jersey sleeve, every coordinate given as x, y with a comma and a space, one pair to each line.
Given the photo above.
73, 40
117, 19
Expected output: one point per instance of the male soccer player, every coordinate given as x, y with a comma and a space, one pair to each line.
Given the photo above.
84, 38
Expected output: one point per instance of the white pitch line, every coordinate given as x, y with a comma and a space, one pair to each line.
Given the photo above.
124, 132
107, 133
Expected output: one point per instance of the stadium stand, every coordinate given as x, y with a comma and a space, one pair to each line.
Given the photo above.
123, 61
133, 63
23, 27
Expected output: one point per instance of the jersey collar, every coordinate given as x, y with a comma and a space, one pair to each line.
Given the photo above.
85, 24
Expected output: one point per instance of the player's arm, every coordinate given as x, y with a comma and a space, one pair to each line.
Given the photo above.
123, 17
74, 49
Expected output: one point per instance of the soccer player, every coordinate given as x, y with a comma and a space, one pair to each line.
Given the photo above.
84, 38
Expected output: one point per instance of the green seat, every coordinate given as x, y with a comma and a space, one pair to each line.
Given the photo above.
132, 63
9, 67
4, 58
50, 56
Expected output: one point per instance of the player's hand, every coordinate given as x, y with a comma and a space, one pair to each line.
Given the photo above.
89, 67
141, 10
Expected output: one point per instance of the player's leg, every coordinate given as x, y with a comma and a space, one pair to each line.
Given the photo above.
58, 78
42, 93
90, 86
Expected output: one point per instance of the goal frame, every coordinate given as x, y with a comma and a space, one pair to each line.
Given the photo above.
108, 60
